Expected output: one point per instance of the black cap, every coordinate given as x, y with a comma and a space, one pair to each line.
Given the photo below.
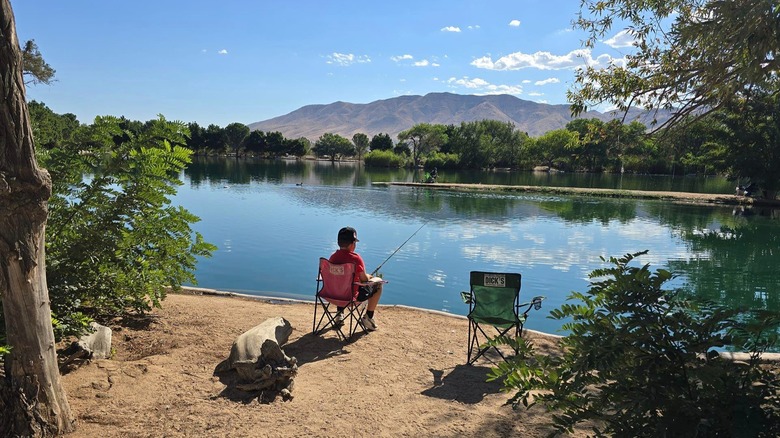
347, 235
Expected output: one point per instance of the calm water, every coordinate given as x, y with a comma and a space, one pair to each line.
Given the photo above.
272, 220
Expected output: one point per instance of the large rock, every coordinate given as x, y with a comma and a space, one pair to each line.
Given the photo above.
94, 345
259, 361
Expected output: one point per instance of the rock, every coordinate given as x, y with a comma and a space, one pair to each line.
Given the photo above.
259, 361
97, 343
247, 346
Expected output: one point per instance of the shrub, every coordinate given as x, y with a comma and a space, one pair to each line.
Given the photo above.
442, 161
381, 158
643, 361
113, 241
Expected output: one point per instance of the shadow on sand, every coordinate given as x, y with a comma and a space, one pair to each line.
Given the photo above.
464, 383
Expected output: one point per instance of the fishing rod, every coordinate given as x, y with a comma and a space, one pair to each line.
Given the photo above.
396, 250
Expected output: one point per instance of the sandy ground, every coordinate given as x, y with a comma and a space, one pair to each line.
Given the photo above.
408, 378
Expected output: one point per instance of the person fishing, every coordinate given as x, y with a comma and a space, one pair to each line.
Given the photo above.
347, 240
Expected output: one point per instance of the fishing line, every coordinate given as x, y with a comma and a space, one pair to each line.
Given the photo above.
396, 250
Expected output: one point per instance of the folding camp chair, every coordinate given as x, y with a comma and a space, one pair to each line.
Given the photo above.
335, 288
494, 299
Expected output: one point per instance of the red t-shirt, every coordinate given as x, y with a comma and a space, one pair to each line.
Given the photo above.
347, 256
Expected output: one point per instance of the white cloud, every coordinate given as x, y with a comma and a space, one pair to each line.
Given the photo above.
514, 23
450, 29
482, 87
421, 63
345, 59
474, 27
622, 39
535, 94
548, 81
542, 61
526, 81
223, 52
401, 57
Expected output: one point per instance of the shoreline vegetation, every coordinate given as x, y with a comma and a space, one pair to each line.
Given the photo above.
680, 197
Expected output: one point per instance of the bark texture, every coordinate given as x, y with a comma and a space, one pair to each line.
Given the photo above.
32, 401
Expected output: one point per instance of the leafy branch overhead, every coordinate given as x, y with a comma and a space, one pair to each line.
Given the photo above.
688, 56
38, 71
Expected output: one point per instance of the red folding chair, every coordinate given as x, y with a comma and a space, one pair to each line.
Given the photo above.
335, 288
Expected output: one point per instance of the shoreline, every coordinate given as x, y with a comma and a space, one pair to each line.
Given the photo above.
191, 290
680, 197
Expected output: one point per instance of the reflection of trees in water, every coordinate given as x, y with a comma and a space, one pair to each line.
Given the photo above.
739, 266
244, 171
279, 171
735, 258
589, 210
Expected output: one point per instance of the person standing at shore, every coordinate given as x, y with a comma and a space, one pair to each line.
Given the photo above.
347, 241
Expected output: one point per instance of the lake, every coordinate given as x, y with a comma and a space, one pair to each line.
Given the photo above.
272, 220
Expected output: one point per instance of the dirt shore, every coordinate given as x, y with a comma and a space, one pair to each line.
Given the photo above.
408, 378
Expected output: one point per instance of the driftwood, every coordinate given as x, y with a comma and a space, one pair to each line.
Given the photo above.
259, 362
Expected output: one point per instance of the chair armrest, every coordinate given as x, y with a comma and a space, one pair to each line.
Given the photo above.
466, 297
535, 303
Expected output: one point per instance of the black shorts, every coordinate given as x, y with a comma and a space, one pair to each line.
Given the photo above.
366, 292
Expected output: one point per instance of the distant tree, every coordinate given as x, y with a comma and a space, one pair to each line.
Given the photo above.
333, 145
235, 134
554, 148
276, 143
591, 150
748, 147
50, 129
255, 143
360, 141
381, 142
689, 56
423, 139
196, 142
298, 147
32, 399
216, 140
403, 149
35, 68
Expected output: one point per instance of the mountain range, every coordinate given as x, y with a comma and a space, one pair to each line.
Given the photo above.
391, 116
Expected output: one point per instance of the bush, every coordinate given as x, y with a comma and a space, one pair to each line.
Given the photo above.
113, 241
643, 361
385, 159
442, 161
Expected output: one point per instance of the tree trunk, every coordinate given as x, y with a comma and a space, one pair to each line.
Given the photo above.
32, 400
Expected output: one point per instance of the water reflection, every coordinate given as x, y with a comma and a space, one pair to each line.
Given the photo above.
275, 218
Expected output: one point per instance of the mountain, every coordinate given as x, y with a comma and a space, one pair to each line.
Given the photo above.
392, 116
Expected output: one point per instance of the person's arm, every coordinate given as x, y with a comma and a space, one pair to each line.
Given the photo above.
365, 277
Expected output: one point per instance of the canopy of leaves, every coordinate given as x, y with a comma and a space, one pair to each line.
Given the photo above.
334, 146
113, 240
36, 70
690, 56
423, 139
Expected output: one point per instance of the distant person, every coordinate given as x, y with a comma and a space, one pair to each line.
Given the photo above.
431, 177
347, 240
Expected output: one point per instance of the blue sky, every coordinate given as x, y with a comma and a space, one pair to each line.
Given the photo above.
247, 61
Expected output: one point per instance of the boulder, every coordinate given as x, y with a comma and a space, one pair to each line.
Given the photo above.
259, 362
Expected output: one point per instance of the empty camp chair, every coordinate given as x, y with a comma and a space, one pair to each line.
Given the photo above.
494, 299
335, 288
